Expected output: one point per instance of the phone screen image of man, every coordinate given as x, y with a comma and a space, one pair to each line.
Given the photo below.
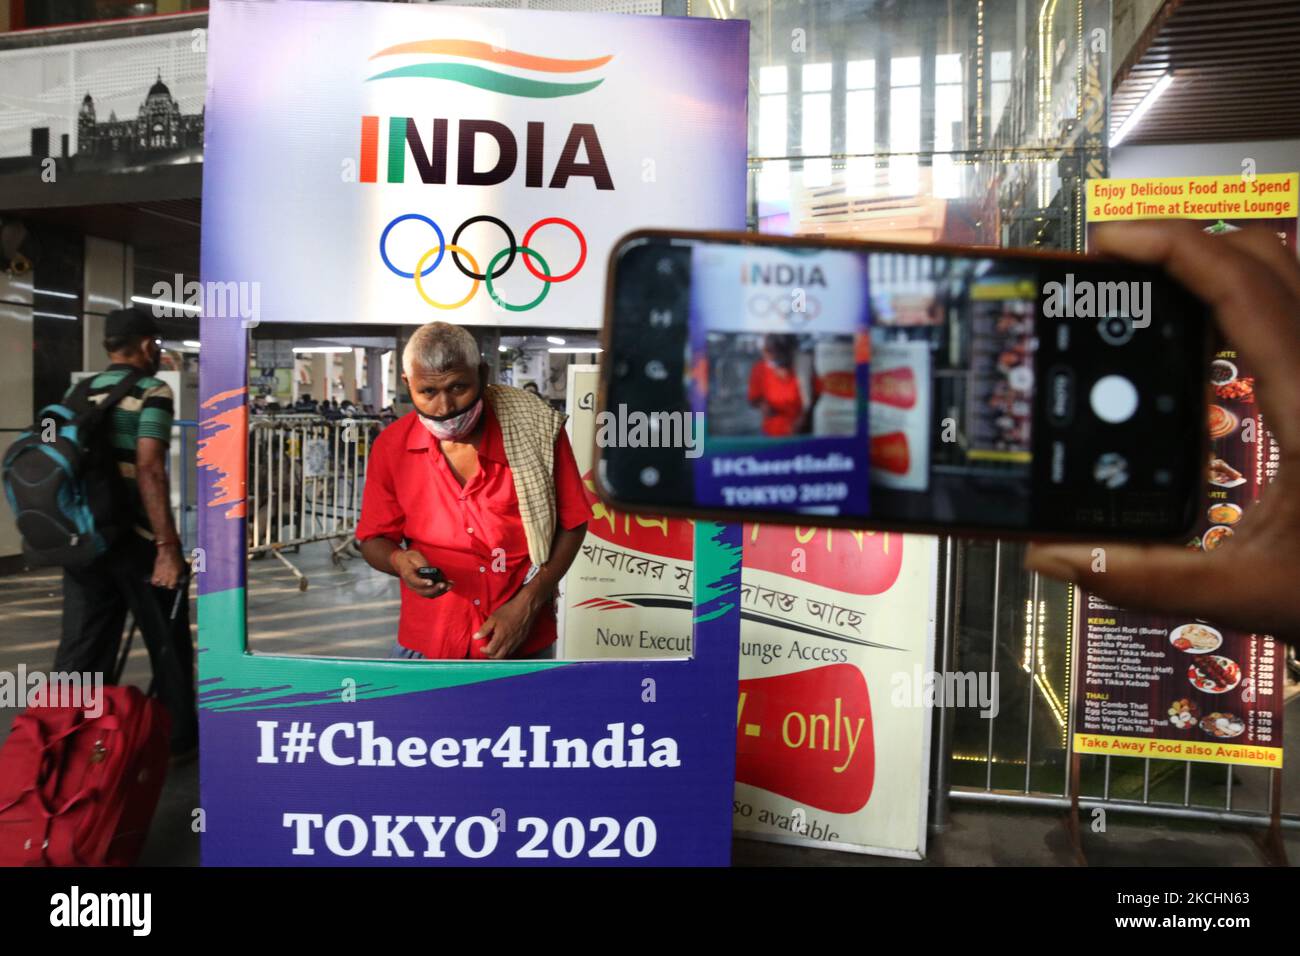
780, 364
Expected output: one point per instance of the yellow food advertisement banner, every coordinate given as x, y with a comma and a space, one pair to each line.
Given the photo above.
1243, 196
1250, 755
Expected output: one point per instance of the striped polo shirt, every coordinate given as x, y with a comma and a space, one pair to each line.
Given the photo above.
145, 412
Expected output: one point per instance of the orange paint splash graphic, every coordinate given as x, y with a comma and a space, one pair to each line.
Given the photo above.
224, 448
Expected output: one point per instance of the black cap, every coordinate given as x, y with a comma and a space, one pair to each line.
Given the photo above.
131, 321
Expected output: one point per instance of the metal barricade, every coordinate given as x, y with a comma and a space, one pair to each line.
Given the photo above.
184, 481
305, 480
1001, 619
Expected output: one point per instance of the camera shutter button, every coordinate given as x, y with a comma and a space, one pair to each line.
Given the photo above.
1114, 399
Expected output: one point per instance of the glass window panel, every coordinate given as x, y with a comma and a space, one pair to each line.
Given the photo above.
947, 68
860, 121
904, 137
773, 79
773, 184
860, 177
948, 116
860, 74
1000, 68
816, 123
817, 138
1000, 87
904, 176
905, 71
905, 119
947, 177
816, 77
772, 122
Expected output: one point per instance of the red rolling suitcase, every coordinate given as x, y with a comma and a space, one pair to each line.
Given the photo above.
78, 790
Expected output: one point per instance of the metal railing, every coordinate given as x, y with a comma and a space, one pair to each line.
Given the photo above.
305, 481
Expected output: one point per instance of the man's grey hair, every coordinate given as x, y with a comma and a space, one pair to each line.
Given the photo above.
440, 347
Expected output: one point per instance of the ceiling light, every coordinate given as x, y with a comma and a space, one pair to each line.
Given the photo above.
165, 302
1131, 121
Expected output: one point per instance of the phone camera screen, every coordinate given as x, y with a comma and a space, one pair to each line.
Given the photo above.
818, 373
910, 388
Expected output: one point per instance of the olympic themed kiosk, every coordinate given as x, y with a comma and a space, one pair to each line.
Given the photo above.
349, 148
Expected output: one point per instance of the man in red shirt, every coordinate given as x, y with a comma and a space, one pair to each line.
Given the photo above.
774, 388
442, 491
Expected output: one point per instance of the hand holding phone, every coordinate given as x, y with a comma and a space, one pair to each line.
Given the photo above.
417, 574
866, 385
1249, 583
431, 574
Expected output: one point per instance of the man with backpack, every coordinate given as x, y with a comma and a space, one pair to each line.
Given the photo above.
143, 568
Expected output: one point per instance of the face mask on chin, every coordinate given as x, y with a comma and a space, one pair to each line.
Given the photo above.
454, 427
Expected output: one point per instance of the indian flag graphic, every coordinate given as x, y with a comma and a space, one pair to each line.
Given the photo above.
489, 67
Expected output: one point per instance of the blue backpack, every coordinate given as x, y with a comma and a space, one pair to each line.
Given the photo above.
63, 483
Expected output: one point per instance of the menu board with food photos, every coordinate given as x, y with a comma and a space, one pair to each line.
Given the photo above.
1181, 688
1185, 689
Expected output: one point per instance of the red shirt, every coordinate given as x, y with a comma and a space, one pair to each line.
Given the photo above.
780, 389
473, 533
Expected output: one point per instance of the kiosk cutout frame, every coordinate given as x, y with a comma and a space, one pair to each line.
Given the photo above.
320, 761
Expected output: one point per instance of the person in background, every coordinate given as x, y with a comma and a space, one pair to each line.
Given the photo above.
144, 567
1252, 283
774, 387
479, 482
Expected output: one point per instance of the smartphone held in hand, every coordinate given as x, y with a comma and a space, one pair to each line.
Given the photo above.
864, 385
431, 574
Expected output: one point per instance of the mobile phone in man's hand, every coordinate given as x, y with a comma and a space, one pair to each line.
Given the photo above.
431, 574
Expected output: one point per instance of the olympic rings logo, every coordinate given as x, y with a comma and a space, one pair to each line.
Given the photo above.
781, 306
491, 273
